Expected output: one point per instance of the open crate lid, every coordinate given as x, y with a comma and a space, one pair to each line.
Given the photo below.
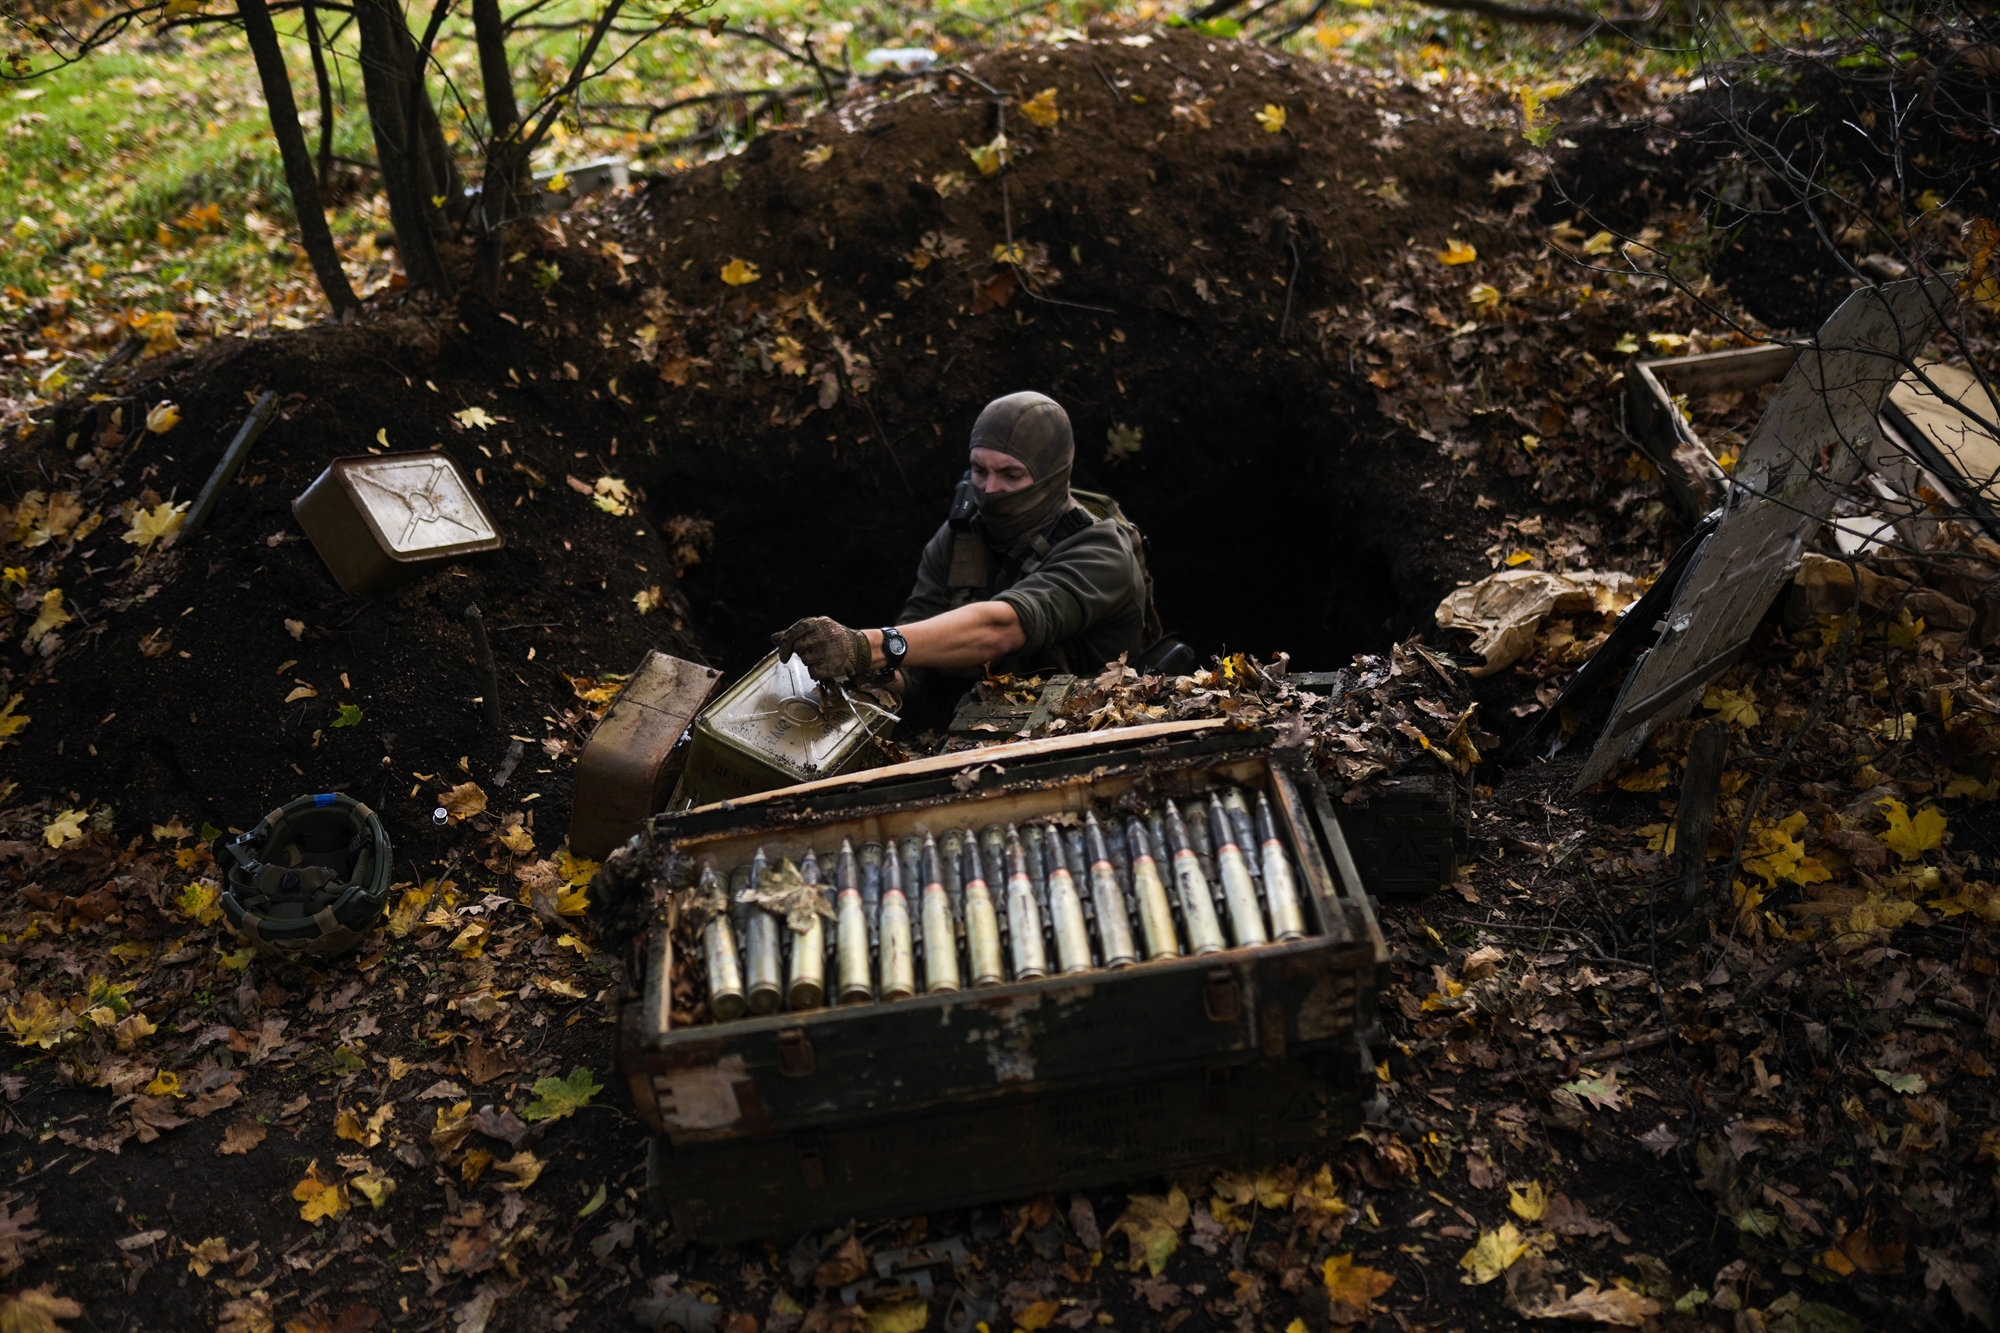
956, 773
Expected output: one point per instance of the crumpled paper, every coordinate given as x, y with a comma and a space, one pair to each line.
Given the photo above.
1506, 608
785, 891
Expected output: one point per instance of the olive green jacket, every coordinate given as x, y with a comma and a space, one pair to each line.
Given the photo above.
1080, 607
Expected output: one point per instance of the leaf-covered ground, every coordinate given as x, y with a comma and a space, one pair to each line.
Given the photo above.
1779, 1115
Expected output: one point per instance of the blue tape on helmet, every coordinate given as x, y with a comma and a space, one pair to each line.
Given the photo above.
324, 799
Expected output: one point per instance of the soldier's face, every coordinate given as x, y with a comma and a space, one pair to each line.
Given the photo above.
996, 473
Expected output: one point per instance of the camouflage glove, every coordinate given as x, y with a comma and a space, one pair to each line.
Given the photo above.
830, 650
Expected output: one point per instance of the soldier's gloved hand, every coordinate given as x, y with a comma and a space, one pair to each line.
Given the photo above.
830, 650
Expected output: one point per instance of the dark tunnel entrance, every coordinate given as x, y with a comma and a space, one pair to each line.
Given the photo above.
1271, 526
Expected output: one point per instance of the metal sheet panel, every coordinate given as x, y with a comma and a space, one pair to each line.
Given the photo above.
1809, 444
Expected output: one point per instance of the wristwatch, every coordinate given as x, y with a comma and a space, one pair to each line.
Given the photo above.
894, 647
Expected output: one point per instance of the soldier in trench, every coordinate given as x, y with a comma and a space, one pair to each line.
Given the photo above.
1022, 579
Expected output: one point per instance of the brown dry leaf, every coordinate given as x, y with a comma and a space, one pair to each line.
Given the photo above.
154, 1116
240, 1138
17, 1238
250, 1314
463, 801
451, 1128
483, 1064
845, 1265
36, 1310
524, 1166
1351, 1286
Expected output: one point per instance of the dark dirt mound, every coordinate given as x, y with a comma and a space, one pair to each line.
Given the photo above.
1166, 283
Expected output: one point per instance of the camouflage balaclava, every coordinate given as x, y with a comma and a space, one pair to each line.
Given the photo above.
1033, 428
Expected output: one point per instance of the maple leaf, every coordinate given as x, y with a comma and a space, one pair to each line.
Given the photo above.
202, 902
405, 913
991, 156
1041, 109
1734, 706
815, 158
36, 1310
321, 1200
157, 524
740, 273
246, 1314
11, 722
1907, 837
51, 618
1528, 1203
1457, 252
648, 600
65, 826
349, 715
376, 1187
1601, 1092
163, 417
1152, 1225
463, 801
612, 495
1351, 1286
17, 1238
557, 1097
474, 416
1493, 1254
516, 839
1271, 117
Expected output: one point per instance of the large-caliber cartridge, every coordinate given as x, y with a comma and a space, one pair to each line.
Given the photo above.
718, 950
982, 924
951, 851
1281, 889
1194, 815
853, 981
1066, 910
940, 933
1024, 914
898, 947
871, 890
764, 969
993, 859
1038, 874
1246, 914
1114, 927
808, 976
1156, 911
1197, 903
1245, 829
911, 853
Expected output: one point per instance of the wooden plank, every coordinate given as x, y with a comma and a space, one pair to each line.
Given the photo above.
1807, 447
1694, 818
961, 761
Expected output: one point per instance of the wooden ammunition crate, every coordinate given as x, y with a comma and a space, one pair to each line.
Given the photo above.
753, 1110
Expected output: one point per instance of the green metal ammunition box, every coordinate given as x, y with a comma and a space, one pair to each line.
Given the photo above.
771, 729
947, 1099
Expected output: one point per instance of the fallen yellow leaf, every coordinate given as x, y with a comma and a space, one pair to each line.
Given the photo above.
163, 418
1041, 109
1493, 1254
1457, 252
1528, 1203
738, 273
1272, 118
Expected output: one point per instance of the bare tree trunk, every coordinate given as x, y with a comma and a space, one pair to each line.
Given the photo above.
316, 43
388, 69
506, 157
311, 214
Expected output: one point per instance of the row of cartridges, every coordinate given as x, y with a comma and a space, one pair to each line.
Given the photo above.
1010, 903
